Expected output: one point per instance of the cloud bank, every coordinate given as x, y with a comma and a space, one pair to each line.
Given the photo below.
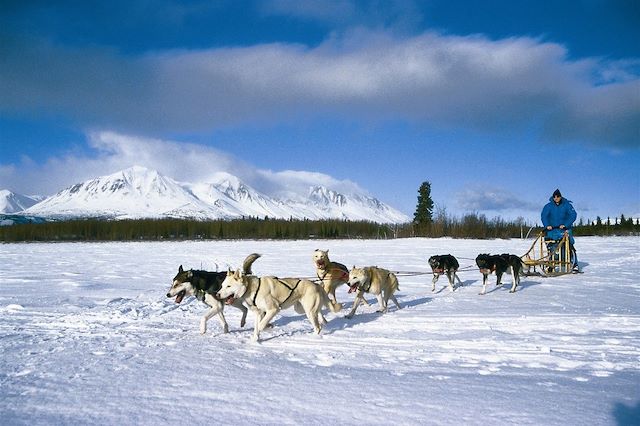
491, 199
431, 79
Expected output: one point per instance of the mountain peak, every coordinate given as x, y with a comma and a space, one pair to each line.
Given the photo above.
10, 202
138, 192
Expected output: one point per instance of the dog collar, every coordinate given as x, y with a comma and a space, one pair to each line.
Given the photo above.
365, 288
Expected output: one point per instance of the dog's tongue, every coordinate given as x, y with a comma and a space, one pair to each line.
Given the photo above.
180, 296
229, 300
353, 288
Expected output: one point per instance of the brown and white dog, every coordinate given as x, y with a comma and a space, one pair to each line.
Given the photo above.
331, 274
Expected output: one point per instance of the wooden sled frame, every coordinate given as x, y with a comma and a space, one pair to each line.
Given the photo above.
541, 261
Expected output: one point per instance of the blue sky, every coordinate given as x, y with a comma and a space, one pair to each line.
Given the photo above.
496, 103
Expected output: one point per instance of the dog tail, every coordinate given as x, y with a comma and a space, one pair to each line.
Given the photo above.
335, 307
522, 268
326, 301
246, 265
394, 282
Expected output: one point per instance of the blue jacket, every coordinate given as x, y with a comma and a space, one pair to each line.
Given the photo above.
558, 214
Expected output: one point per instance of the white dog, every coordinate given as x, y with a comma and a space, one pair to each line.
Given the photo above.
268, 295
374, 280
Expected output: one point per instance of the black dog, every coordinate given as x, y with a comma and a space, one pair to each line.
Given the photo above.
444, 264
204, 286
499, 264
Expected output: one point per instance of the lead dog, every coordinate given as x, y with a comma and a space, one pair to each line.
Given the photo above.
204, 286
374, 280
268, 295
444, 264
499, 264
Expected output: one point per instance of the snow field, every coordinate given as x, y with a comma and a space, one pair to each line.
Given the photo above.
88, 336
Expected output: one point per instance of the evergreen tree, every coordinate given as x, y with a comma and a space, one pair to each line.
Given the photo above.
424, 209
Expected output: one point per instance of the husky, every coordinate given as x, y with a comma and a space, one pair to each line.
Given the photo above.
204, 286
331, 274
509, 263
267, 295
374, 280
444, 264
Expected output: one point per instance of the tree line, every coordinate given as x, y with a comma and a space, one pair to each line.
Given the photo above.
469, 226
425, 223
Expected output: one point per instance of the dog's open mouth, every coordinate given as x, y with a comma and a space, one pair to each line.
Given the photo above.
320, 263
180, 296
485, 270
353, 287
229, 300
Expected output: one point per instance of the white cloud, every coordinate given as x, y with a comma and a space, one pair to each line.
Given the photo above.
184, 162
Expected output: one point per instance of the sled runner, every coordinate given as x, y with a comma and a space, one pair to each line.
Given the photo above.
549, 258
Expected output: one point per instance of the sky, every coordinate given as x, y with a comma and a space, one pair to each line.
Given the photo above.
495, 103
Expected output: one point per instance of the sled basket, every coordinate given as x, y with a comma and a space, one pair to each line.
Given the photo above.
549, 257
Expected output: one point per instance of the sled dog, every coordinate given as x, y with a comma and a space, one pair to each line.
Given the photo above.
331, 274
444, 264
374, 280
499, 264
204, 286
267, 295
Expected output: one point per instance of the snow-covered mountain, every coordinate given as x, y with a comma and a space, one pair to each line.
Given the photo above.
10, 202
138, 192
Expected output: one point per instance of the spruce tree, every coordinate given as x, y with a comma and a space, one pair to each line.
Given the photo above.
424, 209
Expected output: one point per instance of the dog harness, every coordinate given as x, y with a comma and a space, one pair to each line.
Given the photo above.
291, 290
326, 272
362, 287
195, 280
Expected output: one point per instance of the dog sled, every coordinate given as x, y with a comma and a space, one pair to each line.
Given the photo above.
549, 258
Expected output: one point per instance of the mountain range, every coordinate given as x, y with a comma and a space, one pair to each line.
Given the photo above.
138, 192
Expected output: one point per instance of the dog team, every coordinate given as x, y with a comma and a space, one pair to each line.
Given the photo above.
267, 295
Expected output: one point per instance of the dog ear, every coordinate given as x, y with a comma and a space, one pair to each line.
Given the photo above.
368, 272
237, 275
180, 269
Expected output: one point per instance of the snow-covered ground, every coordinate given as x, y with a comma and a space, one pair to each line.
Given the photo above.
87, 336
